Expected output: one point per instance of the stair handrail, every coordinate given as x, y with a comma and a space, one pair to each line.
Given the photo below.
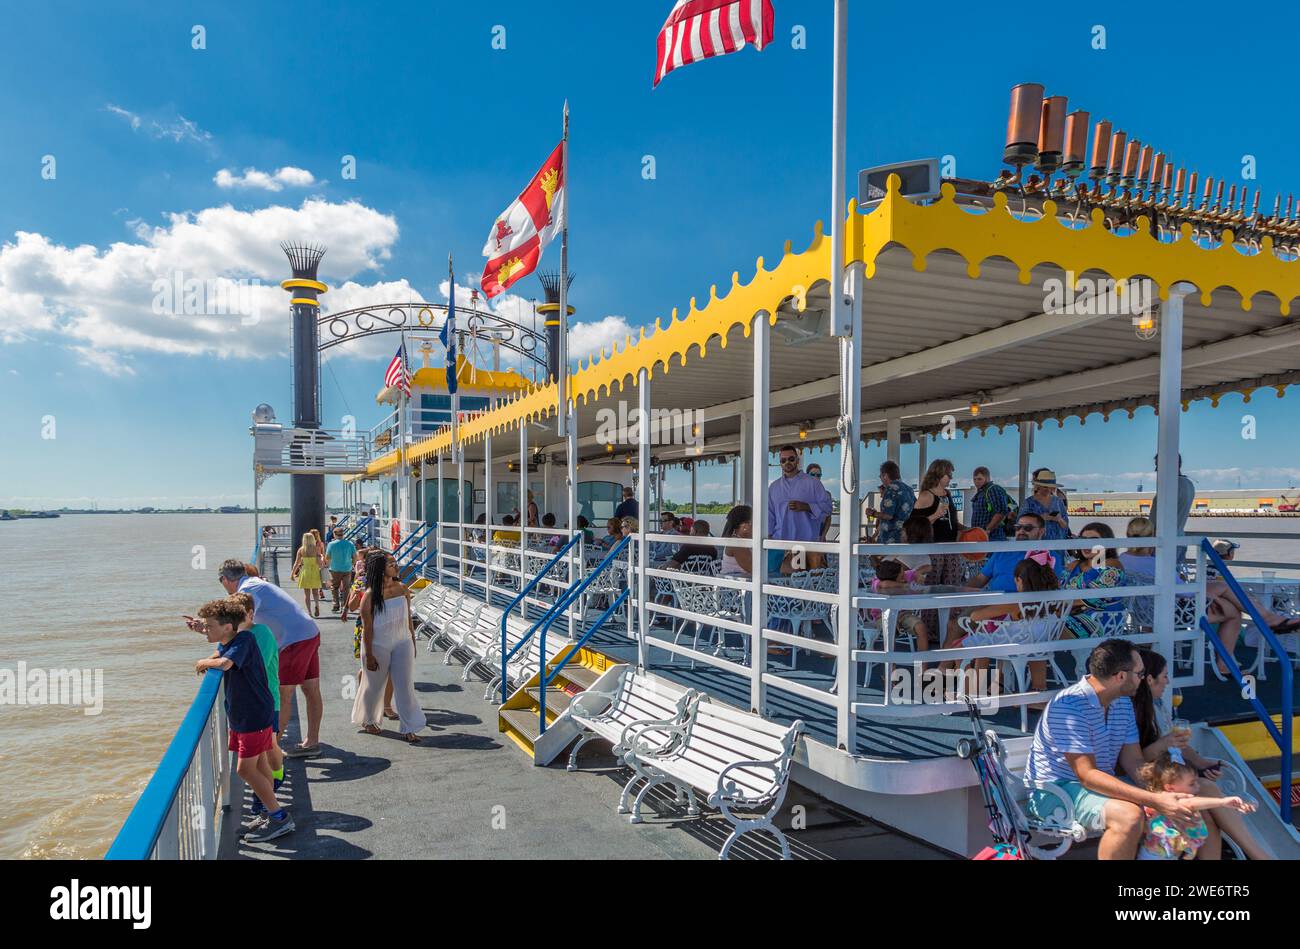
1283, 737
408, 545
548, 678
569, 597
359, 527
506, 656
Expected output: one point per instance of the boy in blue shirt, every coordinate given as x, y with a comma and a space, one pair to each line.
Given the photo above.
250, 710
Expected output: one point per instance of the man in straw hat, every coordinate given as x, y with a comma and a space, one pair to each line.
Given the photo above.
1048, 504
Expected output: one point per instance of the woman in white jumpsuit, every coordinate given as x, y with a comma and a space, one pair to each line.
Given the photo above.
387, 649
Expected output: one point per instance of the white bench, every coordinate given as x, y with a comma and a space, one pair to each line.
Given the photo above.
737, 759
477, 638
634, 699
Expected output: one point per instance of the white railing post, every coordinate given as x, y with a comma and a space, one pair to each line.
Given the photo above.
523, 517
208, 787
577, 565
489, 502
1167, 468
850, 516
643, 508
438, 518
758, 609
462, 561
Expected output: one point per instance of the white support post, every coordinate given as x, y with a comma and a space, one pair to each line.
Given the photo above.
850, 518
576, 561
463, 565
893, 438
761, 335
642, 559
694, 482
922, 450
438, 517
1026, 446
1170, 408
746, 457
489, 502
523, 515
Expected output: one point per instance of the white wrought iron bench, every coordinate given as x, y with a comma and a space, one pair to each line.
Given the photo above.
631, 701
740, 761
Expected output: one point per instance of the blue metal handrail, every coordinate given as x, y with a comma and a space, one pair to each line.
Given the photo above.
139, 834
359, 527
408, 545
548, 679
1282, 737
505, 614
563, 603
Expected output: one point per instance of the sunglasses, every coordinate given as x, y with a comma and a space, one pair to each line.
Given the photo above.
789, 461
815, 474
1025, 527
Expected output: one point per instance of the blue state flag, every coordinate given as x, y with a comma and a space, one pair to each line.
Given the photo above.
447, 336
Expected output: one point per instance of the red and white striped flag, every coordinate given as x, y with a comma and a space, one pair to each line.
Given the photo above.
522, 231
699, 29
397, 374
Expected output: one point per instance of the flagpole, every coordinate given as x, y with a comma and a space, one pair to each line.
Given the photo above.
451, 342
562, 368
839, 104
403, 478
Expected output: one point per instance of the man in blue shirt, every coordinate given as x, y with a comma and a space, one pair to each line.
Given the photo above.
342, 554
298, 637
896, 502
1087, 732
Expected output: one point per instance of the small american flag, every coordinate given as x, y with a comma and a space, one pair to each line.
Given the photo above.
396, 374
699, 29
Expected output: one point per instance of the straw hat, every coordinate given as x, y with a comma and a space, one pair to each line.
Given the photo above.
1045, 478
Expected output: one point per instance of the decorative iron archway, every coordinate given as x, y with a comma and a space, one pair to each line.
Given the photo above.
475, 328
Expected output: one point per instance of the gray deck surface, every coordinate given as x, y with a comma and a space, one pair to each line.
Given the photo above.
467, 792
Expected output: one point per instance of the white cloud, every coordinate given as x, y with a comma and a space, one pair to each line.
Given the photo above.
274, 181
130, 296
599, 336
177, 129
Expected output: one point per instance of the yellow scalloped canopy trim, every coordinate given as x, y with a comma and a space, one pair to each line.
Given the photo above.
921, 229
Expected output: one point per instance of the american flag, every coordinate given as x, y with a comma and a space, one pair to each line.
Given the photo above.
699, 29
397, 374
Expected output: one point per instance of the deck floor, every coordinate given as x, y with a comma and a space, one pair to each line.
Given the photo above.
467, 792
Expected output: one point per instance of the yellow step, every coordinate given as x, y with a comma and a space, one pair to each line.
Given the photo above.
1253, 742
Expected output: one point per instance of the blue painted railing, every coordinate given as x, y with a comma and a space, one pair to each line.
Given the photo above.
571, 595
506, 656
407, 547
1283, 736
156, 809
361, 527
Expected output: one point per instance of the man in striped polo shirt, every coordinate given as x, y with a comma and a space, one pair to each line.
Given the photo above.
1085, 732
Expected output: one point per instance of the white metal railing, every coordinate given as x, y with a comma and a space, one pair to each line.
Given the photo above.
323, 451
469, 556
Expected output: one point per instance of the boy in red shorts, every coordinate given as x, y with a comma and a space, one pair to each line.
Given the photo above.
250, 711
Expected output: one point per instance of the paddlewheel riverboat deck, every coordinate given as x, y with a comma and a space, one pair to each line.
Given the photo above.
986, 305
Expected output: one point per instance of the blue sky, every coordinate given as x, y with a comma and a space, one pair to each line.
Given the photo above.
445, 129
